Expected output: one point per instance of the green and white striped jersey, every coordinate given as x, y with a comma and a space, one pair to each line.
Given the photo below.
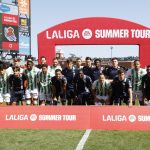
31, 78
102, 89
136, 78
4, 84
52, 69
44, 82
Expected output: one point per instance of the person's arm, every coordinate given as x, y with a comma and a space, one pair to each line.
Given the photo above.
130, 96
24, 78
75, 85
94, 89
143, 86
10, 82
53, 88
64, 85
109, 91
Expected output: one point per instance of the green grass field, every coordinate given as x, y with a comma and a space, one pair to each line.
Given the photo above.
69, 139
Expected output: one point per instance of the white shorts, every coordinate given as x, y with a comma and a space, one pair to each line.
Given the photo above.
98, 98
101, 97
45, 97
137, 95
31, 94
4, 98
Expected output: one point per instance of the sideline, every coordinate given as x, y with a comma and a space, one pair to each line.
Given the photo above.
83, 139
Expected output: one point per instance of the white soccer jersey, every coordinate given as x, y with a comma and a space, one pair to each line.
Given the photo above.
52, 69
10, 71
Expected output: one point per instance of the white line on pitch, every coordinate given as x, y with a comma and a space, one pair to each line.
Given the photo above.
83, 139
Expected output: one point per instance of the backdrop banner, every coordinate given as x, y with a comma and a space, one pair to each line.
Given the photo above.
76, 117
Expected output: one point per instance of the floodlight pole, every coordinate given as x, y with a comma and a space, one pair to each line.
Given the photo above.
111, 48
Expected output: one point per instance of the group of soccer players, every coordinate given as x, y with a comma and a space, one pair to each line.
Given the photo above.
74, 84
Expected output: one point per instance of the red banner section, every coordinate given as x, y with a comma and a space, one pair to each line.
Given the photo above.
10, 45
120, 118
54, 117
95, 31
9, 19
76, 117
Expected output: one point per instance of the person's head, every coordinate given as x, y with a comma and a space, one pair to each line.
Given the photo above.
1, 69
44, 68
88, 61
16, 70
137, 64
30, 65
102, 77
58, 73
69, 63
114, 62
5, 65
97, 62
78, 62
81, 73
148, 69
121, 74
29, 58
16, 61
43, 60
55, 62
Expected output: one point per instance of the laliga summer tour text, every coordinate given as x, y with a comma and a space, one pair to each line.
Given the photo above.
125, 118
98, 33
34, 117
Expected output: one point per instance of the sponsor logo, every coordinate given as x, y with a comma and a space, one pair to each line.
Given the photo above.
33, 117
87, 34
4, 8
132, 118
16, 117
62, 34
9, 34
23, 22
114, 118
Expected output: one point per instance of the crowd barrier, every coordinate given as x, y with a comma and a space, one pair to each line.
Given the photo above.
76, 117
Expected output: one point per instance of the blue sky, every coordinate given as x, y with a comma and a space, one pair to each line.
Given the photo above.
47, 13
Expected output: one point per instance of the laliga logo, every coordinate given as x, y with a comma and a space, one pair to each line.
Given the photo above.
132, 118
33, 117
87, 33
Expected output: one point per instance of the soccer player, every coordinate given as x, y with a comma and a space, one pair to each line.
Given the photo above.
122, 89
69, 73
146, 86
87, 69
17, 82
59, 83
31, 94
42, 61
44, 86
135, 75
101, 90
4, 86
97, 70
83, 88
78, 66
112, 71
54, 67
16, 62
